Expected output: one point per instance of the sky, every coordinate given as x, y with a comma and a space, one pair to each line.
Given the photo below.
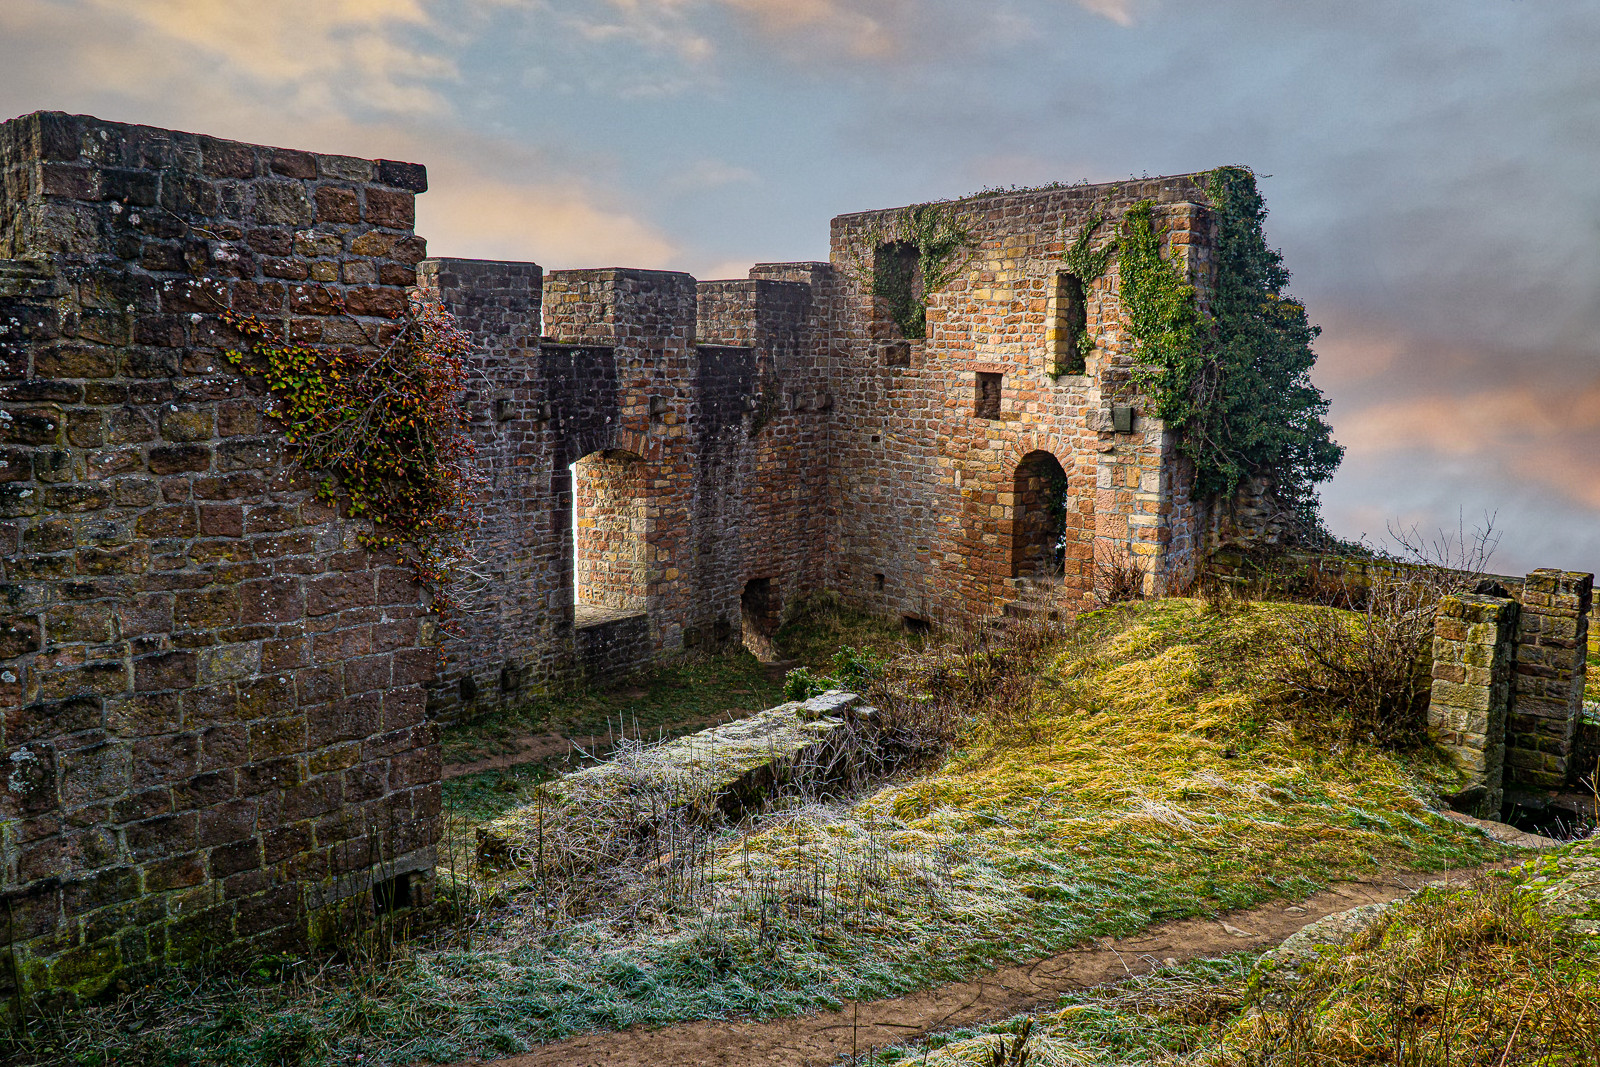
1432, 167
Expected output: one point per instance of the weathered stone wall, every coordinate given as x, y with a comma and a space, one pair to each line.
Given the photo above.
925, 482
1547, 692
1474, 654
211, 701
695, 416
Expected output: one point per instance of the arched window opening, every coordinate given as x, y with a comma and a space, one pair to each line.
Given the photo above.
1039, 518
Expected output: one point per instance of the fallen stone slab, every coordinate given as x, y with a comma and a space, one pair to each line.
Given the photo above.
607, 813
1505, 833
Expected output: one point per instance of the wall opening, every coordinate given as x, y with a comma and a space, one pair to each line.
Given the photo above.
1069, 324
1039, 518
609, 521
759, 614
915, 624
391, 894
986, 398
897, 287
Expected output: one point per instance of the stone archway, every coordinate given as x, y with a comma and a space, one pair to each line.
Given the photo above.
1038, 517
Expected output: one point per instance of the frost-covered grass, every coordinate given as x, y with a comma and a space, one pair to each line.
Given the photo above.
1137, 772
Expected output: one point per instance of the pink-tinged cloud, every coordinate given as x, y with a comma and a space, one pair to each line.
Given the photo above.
556, 226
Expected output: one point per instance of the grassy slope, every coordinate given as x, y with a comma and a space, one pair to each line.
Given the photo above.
1453, 978
1147, 781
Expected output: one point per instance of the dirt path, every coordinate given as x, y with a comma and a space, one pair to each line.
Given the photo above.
822, 1038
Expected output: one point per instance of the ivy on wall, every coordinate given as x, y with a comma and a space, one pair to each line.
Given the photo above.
1085, 265
1235, 379
918, 251
385, 427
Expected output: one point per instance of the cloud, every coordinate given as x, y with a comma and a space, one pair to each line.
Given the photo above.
310, 56
469, 216
1118, 11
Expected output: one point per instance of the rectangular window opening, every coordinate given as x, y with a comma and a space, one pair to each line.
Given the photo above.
1069, 327
878, 580
987, 404
391, 894
916, 625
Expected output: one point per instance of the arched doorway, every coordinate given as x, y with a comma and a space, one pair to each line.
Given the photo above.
1038, 518
609, 522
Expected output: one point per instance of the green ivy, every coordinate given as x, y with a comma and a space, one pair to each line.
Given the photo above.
1085, 265
1236, 381
939, 238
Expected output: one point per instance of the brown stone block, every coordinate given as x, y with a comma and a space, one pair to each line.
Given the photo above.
319, 685
375, 301
268, 696
277, 845
165, 835
336, 758
182, 522
335, 204
173, 459
88, 680
226, 823
19, 635
126, 559
75, 361
337, 592
287, 268
414, 666
77, 498
143, 714
339, 645
206, 608
285, 654
315, 797
224, 520
277, 737
164, 759
268, 518
50, 719
231, 859
272, 600
134, 492
367, 673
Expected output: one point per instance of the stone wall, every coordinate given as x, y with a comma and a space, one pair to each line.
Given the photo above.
1547, 700
211, 699
925, 480
685, 421
1474, 654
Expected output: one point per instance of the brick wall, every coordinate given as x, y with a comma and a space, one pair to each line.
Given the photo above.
685, 421
925, 486
211, 702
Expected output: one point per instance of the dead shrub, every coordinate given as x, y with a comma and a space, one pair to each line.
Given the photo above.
1118, 580
1369, 669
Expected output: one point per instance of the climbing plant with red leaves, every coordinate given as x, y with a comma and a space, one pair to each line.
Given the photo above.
385, 426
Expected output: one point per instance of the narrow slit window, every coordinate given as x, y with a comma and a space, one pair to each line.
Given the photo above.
987, 404
1069, 326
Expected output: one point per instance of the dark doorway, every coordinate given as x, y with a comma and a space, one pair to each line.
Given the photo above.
1039, 518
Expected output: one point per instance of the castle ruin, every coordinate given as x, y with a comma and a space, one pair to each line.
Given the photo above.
218, 708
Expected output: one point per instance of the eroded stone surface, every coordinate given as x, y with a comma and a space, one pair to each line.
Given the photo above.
714, 773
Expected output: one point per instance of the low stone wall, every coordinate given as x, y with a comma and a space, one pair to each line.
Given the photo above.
611, 644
